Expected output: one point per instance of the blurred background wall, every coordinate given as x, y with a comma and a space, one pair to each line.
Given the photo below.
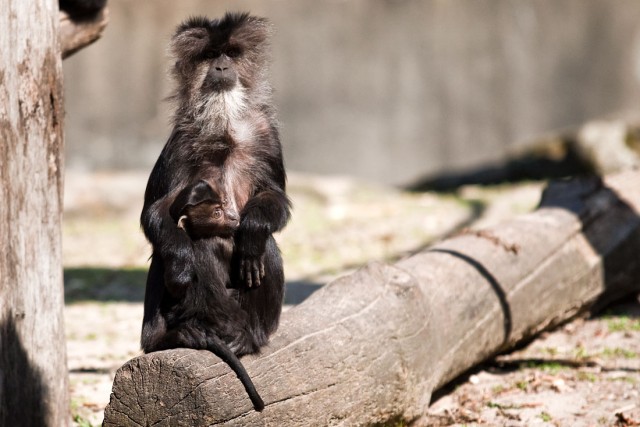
386, 90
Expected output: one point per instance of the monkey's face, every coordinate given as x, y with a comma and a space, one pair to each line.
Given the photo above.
202, 211
216, 56
211, 218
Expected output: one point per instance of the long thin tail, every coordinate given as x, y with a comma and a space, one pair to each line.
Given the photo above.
220, 349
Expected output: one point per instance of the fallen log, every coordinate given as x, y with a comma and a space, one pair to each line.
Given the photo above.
373, 346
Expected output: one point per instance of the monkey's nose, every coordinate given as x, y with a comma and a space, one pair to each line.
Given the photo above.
233, 219
221, 68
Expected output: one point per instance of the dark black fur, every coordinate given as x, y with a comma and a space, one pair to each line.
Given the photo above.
224, 131
204, 315
80, 10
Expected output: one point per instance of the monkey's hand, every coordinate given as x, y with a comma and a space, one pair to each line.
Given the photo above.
252, 270
264, 213
251, 244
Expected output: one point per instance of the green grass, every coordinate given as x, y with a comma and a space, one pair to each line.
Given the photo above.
630, 380
80, 421
622, 324
581, 352
502, 406
498, 389
544, 416
618, 352
550, 367
586, 376
522, 385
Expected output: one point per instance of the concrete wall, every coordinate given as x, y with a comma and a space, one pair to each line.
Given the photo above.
388, 90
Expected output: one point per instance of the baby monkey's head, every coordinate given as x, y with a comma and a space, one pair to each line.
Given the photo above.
202, 212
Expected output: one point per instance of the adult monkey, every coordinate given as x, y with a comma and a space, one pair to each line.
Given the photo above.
205, 316
224, 131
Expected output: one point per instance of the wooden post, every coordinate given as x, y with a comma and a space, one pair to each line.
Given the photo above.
372, 346
33, 368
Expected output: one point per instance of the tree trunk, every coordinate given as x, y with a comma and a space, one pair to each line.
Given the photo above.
33, 369
372, 346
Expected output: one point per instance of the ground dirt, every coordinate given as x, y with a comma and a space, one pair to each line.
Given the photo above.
585, 373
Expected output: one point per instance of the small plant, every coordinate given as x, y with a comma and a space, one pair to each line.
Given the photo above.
80, 421
544, 416
586, 376
497, 389
618, 352
622, 324
630, 380
502, 406
550, 367
581, 352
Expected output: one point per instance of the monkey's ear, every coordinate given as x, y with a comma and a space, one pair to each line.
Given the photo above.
191, 38
181, 222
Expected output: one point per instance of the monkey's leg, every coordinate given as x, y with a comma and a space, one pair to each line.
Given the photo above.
153, 324
264, 304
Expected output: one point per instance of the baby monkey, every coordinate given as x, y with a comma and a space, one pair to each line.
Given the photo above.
205, 214
201, 212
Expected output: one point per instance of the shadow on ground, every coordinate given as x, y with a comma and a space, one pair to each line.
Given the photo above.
104, 284
23, 391
527, 167
83, 284
623, 315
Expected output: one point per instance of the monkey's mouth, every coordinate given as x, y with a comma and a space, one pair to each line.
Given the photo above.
220, 84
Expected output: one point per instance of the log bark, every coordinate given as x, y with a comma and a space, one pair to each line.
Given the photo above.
33, 368
373, 346
76, 35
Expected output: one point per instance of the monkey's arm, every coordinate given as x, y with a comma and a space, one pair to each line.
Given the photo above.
172, 244
169, 242
265, 213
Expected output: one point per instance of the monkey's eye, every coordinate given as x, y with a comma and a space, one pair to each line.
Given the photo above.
217, 213
212, 54
233, 52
